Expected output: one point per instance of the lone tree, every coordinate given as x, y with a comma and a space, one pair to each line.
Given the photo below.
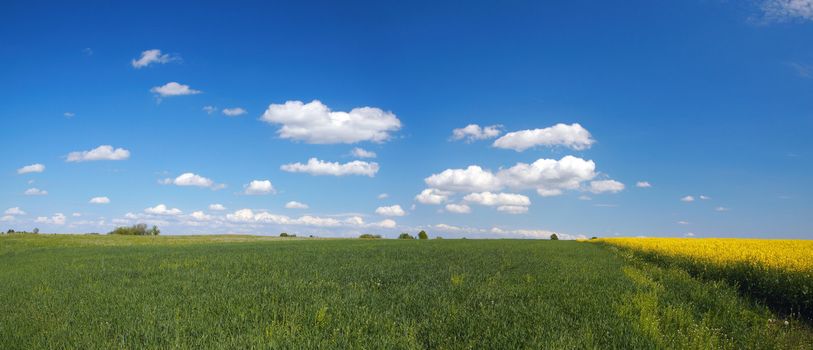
423, 235
554, 237
36, 230
405, 236
136, 230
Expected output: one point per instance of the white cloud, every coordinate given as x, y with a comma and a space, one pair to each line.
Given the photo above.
705, 198
99, 200
69, 114
152, 56
549, 176
474, 132
209, 109
35, 192
200, 216
393, 210
533, 233
103, 152
433, 196
362, 153
319, 167
448, 228
721, 209
162, 209
76, 215
56, 219
785, 10
296, 205
259, 187
585, 198
262, 217
383, 196
472, 179
386, 223
315, 123
513, 209
497, 199
33, 168
7, 218
174, 89
192, 179
233, 112
682, 222
690, 234
216, 207
602, 186
687, 199
572, 136
643, 184
14, 211
458, 208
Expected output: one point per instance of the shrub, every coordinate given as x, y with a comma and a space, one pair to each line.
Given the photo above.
554, 237
405, 236
136, 230
369, 236
423, 235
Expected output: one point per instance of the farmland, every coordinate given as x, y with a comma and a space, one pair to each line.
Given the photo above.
60, 291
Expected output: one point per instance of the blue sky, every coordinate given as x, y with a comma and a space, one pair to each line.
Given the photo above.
575, 107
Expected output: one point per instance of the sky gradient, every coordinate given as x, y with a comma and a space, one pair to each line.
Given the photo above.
475, 119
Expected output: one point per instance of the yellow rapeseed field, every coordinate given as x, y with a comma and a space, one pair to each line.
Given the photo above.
777, 272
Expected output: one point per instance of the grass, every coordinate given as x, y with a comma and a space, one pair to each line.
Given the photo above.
243, 291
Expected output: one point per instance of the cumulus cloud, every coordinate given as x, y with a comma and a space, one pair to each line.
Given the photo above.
35, 192
472, 179
393, 210
362, 153
296, 205
448, 228
474, 132
433, 196
233, 112
209, 109
162, 209
687, 199
383, 196
216, 207
458, 208
6, 218
103, 152
497, 199
786, 10
315, 123
721, 209
513, 209
549, 176
259, 187
14, 211
643, 184
56, 219
99, 200
602, 186
200, 216
705, 198
572, 136
174, 89
192, 179
263, 217
319, 167
33, 168
152, 56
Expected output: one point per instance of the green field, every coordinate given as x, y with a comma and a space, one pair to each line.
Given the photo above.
239, 292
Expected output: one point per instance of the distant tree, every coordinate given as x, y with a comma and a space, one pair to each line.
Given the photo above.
594, 237
369, 236
423, 235
135, 230
438, 237
10, 231
36, 230
405, 236
284, 234
554, 237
